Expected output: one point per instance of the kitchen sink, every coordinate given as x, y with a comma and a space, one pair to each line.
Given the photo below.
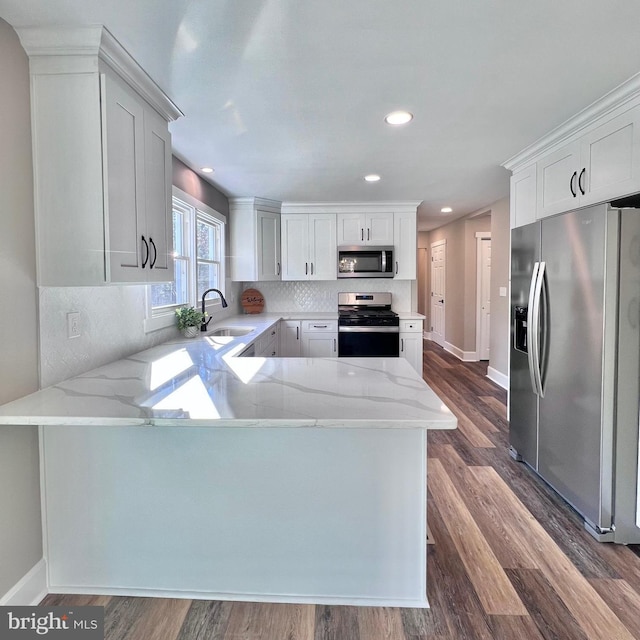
231, 331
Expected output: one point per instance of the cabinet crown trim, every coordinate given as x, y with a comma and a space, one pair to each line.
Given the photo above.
73, 43
260, 203
626, 92
347, 207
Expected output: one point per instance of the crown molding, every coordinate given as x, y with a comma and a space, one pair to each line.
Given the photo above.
260, 203
625, 93
350, 207
77, 49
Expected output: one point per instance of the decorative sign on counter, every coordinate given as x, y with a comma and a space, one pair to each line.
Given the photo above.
252, 301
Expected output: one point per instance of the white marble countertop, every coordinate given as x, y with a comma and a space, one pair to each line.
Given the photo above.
410, 315
202, 382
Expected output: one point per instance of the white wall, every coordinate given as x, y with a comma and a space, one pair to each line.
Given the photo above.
20, 526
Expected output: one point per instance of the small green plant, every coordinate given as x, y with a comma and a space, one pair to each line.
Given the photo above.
189, 317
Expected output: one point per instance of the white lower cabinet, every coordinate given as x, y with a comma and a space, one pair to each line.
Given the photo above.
290, 339
320, 338
411, 345
267, 345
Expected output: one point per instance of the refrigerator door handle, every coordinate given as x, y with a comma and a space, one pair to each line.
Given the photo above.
530, 326
535, 330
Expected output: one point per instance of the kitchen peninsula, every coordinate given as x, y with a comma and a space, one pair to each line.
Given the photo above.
273, 479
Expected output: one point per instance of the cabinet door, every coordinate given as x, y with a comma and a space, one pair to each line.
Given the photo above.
319, 345
289, 339
124, 176
523, 197
610, 163
323, 253
158, 215
411, 349
379, 228
295, 247
268, 240
405, 246
557, 189
351, 229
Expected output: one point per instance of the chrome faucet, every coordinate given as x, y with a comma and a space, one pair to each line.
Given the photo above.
203, 326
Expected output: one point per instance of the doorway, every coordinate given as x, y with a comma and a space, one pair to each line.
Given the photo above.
483, 294
438, 277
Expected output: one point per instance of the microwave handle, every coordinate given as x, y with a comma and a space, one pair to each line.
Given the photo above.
384, 262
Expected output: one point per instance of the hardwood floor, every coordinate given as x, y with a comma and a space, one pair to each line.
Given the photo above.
507, 559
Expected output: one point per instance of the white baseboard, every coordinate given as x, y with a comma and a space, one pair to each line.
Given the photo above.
245, 597
499, 378
29, 590
426, 335
465, 356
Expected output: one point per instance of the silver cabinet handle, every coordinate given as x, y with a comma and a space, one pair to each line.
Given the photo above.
320, 326
306, 268
368, 234
396, 267
334, 345
312, 268
278, 268
362, 235
402, 344
297, 333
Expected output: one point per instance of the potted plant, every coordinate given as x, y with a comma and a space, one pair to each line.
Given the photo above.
189, 321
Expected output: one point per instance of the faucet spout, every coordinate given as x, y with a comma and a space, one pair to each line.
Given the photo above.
223, 302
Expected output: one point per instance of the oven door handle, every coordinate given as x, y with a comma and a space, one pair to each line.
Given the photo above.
368, 329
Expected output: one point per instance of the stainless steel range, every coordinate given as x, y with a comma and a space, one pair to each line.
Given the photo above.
366, 326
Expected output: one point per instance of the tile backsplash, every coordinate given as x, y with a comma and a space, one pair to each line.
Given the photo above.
322, 296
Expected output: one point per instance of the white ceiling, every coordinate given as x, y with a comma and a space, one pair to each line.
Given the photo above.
286, 98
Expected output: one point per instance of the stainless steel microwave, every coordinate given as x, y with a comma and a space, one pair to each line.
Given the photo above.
365, 262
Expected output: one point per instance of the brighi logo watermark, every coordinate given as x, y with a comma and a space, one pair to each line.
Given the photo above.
53, 623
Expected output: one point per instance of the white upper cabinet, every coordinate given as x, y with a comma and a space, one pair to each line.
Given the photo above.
365, 228
592, 158
602, 164
405, 245
255, 239
523, 197
102, 161
309, 249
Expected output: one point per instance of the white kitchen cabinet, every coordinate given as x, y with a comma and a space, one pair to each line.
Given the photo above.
405, 245
523, 197
365, 228
255, 239
411, 343
309, 249
267, 345
600, 165
320, 339
102, 161
290, 339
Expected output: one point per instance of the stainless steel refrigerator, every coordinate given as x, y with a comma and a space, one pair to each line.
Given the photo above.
574, 366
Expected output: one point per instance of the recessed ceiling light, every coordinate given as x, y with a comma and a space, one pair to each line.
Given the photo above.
206, 170
446, 210
372, 177
398, 117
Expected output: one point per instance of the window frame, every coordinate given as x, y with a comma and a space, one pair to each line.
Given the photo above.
162, 317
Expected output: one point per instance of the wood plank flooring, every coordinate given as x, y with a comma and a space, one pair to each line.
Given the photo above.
507, 559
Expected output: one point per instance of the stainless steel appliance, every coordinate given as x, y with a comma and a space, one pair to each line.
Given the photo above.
574, 372
366, 326
365, 262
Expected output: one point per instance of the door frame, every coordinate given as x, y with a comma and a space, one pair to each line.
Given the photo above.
481, 236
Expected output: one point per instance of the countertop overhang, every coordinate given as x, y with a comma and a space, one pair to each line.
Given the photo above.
203, 382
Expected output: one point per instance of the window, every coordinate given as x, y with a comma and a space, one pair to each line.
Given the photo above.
198, 252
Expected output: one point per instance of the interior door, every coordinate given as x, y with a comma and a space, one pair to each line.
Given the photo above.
484, 298
438, 277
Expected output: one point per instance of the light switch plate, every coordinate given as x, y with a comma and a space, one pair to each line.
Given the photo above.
503, 292
73, 324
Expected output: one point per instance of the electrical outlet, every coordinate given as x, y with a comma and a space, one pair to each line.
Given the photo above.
73, 324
